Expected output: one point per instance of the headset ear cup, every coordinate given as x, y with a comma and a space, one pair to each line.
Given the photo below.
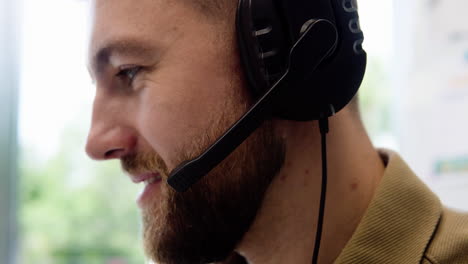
307, 56
267, 29
263, 44
247, 52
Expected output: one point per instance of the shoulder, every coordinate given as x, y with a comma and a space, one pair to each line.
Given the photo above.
449, 243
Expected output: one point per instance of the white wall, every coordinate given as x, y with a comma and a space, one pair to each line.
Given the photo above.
433, 123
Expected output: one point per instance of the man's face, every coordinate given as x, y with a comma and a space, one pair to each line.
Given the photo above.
168, 84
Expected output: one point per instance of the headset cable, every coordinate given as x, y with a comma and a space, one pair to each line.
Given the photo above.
324, 128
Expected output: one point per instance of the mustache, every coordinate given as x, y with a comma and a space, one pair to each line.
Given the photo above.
144, 162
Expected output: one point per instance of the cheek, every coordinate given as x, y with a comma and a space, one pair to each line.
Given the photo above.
159, 121
175, 111
192, 87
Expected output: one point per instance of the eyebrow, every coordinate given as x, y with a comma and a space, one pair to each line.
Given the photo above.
124, 47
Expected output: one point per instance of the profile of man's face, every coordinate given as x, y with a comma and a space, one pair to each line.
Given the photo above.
168, 83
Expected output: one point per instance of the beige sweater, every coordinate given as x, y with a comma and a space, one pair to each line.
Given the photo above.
406, 223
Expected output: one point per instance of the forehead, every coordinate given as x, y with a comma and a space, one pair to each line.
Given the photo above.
144, 19
155, 22
114, 18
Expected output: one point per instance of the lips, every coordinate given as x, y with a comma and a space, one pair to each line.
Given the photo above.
145, 177
151, 191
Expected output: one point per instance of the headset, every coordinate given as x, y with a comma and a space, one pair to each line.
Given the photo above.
303, 60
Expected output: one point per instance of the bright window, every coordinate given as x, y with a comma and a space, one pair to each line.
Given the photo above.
72, 210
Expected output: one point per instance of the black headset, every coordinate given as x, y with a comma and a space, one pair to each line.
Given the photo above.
303, 60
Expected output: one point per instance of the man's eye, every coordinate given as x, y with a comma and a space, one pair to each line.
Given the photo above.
128, 74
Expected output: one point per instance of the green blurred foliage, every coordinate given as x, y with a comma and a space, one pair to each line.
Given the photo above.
75, 211
375, 99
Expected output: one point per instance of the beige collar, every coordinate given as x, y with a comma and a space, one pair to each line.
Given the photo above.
400, 220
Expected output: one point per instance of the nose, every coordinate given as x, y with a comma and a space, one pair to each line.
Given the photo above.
110, 143
109, 137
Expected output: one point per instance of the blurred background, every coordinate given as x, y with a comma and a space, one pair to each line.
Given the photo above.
57, 206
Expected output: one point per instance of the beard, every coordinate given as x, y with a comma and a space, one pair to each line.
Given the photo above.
205, 223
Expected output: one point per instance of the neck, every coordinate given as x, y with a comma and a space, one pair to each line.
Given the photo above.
284, 229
